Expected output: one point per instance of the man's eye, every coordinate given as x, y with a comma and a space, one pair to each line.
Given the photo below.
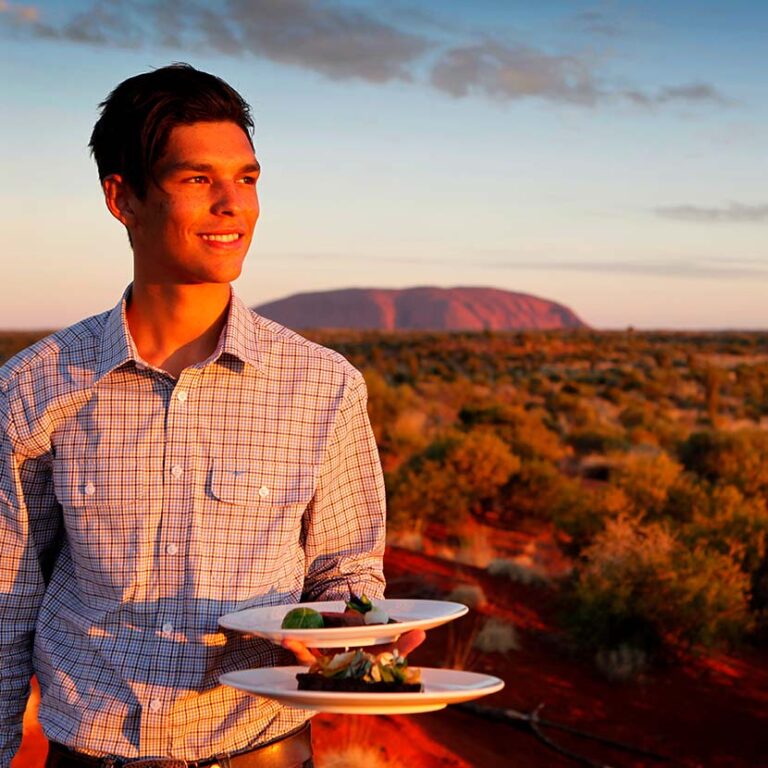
248, 180
197, 179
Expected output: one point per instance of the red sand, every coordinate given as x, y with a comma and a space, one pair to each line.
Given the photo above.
709, 713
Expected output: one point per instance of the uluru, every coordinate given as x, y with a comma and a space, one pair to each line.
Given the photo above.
420, 309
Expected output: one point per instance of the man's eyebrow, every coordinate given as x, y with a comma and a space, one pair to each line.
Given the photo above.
184, 165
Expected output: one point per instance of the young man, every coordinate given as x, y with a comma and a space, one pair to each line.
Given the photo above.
171, 460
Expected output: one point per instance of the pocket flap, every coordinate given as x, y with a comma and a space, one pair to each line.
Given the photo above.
236, 484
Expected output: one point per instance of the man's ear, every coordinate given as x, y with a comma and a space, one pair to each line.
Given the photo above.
118, 197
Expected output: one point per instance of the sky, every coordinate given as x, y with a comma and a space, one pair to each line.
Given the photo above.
607, 155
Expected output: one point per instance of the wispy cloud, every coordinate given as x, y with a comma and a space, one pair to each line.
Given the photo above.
341, 42
705, 268
514, 72
596, 21
734, 269
689, 93
734, 212
337, 42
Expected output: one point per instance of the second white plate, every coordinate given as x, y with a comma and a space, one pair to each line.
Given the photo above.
441, 687
409, 614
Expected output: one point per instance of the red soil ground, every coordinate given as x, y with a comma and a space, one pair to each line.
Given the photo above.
707, 713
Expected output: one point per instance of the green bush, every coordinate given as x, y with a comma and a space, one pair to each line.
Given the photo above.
640, 586
733, 458
453, 477
647, 479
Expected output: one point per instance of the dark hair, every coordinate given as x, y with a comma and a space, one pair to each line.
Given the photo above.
138, 116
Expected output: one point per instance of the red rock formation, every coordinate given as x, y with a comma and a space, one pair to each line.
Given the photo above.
420, 309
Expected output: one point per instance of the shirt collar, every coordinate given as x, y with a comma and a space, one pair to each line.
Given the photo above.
116, 346
239, 335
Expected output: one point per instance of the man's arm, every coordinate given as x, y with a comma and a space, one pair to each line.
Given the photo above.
344, 525
29, 524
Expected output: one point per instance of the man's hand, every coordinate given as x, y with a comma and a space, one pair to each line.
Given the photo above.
406, 643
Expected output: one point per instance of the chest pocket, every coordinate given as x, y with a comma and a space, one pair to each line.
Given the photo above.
102, 501
285, 486
247, 537
98, 482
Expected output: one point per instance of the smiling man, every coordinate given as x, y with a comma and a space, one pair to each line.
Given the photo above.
171, 460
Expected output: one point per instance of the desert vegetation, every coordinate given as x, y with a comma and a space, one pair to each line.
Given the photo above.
646, 452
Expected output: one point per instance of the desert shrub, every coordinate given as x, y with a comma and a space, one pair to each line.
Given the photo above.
471, 595
397, 419
577, 411
596, 439
523, 430
687, 498
532, 490
636, 415
646, 480
638, 585
460, 651
621, 664
733, 524
581, 511
496, 636
735, 458
520, 570
451, 478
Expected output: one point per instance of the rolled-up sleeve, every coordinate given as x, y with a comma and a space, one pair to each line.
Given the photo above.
344, 525
29, 524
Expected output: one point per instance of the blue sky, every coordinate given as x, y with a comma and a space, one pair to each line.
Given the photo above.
608, 155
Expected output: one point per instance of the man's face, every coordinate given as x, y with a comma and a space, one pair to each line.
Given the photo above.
195, 224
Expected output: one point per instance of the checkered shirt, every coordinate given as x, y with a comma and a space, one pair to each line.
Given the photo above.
135, 509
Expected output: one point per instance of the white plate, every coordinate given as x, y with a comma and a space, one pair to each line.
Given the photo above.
409, 614
441, 687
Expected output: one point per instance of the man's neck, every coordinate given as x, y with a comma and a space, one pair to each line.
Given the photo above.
175, 326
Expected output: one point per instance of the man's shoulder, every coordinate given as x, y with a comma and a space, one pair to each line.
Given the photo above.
287, 348
76, 345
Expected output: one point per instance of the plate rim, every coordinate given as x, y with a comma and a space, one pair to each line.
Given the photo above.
382, 700
334, 636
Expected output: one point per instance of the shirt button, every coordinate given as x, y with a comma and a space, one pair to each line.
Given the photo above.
177, 471
181, 396
167, 628
155, 705
263, 491
90, 489
171, 549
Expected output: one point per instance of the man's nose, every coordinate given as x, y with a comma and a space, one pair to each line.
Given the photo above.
226, 199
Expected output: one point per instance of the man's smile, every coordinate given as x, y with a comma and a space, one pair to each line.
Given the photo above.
221, 237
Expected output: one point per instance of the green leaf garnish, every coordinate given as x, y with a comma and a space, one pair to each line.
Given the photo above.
359, 604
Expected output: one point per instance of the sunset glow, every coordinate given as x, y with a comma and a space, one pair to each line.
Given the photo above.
608, 156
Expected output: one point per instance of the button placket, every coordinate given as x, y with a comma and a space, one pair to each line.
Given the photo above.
181, 417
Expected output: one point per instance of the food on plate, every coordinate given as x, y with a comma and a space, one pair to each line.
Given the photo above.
372, 614
358, 612
302, 618
361, 672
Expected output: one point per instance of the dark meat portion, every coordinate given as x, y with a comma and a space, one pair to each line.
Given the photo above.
310, 682
346, 619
